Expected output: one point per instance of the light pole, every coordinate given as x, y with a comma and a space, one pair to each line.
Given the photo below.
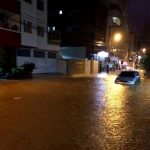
144, 50
116, 38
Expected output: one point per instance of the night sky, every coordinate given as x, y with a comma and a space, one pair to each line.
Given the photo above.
139, 14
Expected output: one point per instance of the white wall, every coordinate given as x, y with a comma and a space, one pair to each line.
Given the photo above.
30, 13
43, 65
94, 66
87, 66
72, 67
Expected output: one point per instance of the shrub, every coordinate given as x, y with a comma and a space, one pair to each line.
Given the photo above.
28, 67
146, 62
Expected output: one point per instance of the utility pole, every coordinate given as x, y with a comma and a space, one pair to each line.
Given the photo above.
137, 51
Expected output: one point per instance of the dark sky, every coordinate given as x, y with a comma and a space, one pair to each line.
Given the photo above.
139, 14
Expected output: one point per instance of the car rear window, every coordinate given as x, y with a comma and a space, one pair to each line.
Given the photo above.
127, 74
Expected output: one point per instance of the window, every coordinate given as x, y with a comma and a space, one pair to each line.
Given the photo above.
60, 12
54, 28
113, 6
116, 20
40, 5
40, 31
52, 55
69, 28
49, 29
24, 52
39, 54
27, 26
54, 36
28, 1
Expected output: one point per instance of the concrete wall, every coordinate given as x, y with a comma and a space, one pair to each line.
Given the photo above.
71, 67
62, 66
94, 67
87, 66
76, 67
43, 65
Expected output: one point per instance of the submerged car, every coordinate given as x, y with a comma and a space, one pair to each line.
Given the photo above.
128, 77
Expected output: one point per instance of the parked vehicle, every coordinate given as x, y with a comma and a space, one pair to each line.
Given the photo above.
128, 77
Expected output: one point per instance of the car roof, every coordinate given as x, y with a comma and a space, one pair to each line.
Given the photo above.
128, 72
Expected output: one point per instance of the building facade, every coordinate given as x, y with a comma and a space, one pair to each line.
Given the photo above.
34, 38
79, 24
117, 22
10, 35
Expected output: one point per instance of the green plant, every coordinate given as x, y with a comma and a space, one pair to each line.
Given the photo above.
28, 67
3, 57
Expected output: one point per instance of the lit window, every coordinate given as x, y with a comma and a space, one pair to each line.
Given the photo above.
116, 20
60, 12
49, 29
54, 28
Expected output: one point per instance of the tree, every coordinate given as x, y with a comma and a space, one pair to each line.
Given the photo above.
146, 62
3, 57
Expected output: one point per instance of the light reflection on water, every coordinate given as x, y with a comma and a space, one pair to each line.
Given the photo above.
121, 106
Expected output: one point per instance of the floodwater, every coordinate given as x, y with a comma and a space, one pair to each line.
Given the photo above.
79, 113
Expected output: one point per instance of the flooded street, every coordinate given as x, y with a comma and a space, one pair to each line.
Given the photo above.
63, 113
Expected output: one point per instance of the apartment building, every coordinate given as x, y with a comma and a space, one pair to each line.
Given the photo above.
34, 38
81, 26
117, 22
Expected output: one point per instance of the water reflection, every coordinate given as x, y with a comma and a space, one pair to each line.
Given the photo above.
115, 127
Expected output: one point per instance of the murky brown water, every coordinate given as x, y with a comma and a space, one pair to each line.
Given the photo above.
74, 114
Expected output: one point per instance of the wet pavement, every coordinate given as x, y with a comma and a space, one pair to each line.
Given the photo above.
78, 113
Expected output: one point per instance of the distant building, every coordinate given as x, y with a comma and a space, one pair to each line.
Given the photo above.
117, 22
78, 24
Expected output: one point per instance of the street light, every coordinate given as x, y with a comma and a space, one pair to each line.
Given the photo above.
144, 50
117, 37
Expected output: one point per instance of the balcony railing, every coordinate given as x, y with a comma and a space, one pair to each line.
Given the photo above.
9, 21
54, 38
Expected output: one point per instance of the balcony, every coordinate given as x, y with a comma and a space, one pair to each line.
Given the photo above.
9, 29
54, 38
9, 21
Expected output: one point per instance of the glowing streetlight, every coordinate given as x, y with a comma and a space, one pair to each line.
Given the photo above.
117, 37
103, 54
144, 50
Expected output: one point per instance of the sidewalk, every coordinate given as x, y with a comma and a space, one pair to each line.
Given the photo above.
58, 75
